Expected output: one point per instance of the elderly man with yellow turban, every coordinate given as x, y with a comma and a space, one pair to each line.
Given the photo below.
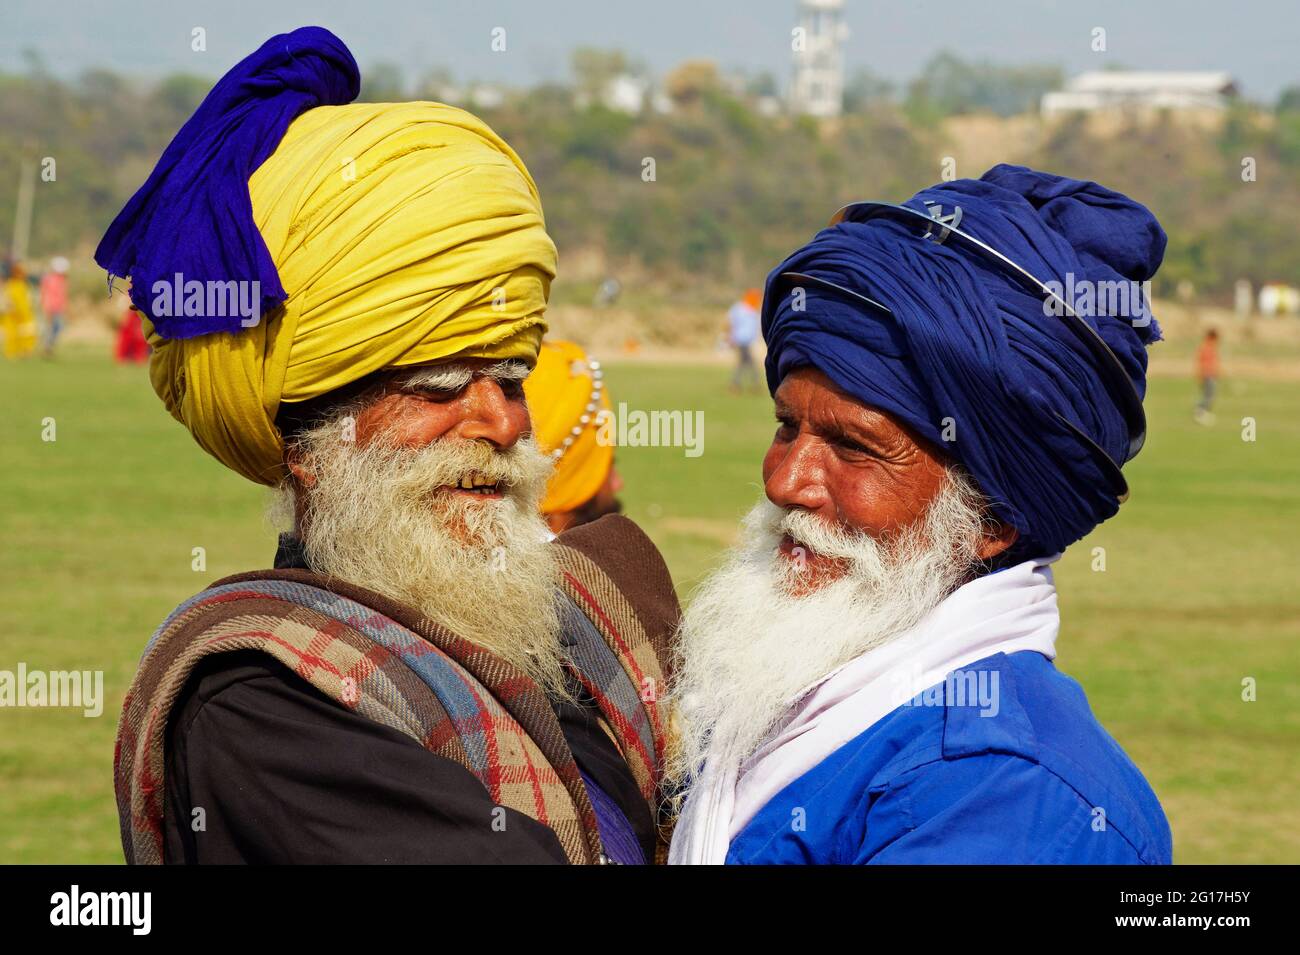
568, 402
343, 301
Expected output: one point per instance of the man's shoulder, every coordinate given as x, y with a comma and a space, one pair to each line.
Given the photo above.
624, 556
286, 591
1017, 714
284, 633
246, 585
619, 547
247, 639
1017, 769
270, 594
245, 675
1024, 706
1017, 704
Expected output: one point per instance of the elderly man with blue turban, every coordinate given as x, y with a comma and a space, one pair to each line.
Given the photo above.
343, 300
869, 679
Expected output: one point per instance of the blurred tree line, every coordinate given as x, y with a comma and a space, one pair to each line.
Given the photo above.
714, 191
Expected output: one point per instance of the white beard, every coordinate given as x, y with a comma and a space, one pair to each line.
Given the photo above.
752, 640
481, 568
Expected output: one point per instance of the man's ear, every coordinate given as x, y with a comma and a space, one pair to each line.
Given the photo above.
995, 539
296, 462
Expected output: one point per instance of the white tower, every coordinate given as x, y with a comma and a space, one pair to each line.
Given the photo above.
818, 45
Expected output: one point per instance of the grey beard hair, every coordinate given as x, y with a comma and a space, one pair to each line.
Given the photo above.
751, 641
483, 569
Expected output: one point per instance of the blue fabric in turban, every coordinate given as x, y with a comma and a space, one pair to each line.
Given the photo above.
193, 216
968, 343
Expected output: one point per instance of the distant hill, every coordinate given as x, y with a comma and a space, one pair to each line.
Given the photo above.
733, 189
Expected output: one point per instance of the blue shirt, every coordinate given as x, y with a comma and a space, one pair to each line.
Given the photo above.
1037, 781
744, 324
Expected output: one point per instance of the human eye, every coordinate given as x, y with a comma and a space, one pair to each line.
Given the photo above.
786, 426
442, 385
853, 450
435, 392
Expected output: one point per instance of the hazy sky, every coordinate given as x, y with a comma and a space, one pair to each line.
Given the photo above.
1258, 41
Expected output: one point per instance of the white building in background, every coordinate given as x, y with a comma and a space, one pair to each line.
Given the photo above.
478, 96
1120, 90
623, 93
1278, 299
626, 93
818, 44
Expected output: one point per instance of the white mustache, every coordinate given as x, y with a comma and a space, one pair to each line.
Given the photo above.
821, 537
442, 465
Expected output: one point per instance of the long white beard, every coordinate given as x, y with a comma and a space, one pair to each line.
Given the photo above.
752, 639
481, 568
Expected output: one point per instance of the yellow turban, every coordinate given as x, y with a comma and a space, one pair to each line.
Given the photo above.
403, 233
565, 395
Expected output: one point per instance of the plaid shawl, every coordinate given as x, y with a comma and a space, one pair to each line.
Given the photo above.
392, 665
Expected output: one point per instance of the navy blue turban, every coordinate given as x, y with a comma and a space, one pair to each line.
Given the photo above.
970, 352
193, 215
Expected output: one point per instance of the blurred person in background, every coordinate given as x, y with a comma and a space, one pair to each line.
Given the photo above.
54, 302
1207, 375
567, 399
130, 347
742, 332
19, 319
607, 292
870, 678
423, 676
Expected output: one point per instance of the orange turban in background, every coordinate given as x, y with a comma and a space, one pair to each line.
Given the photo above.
565, 395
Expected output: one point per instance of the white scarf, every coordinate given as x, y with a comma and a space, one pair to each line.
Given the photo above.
1011, 610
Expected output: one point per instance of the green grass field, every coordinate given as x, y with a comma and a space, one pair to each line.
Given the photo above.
1200, 589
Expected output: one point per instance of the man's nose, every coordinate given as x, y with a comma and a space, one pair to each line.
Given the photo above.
488, 414
798, 479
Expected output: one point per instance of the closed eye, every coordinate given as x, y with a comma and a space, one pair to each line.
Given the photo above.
432, 393
852, 447
786, 426
437, 384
